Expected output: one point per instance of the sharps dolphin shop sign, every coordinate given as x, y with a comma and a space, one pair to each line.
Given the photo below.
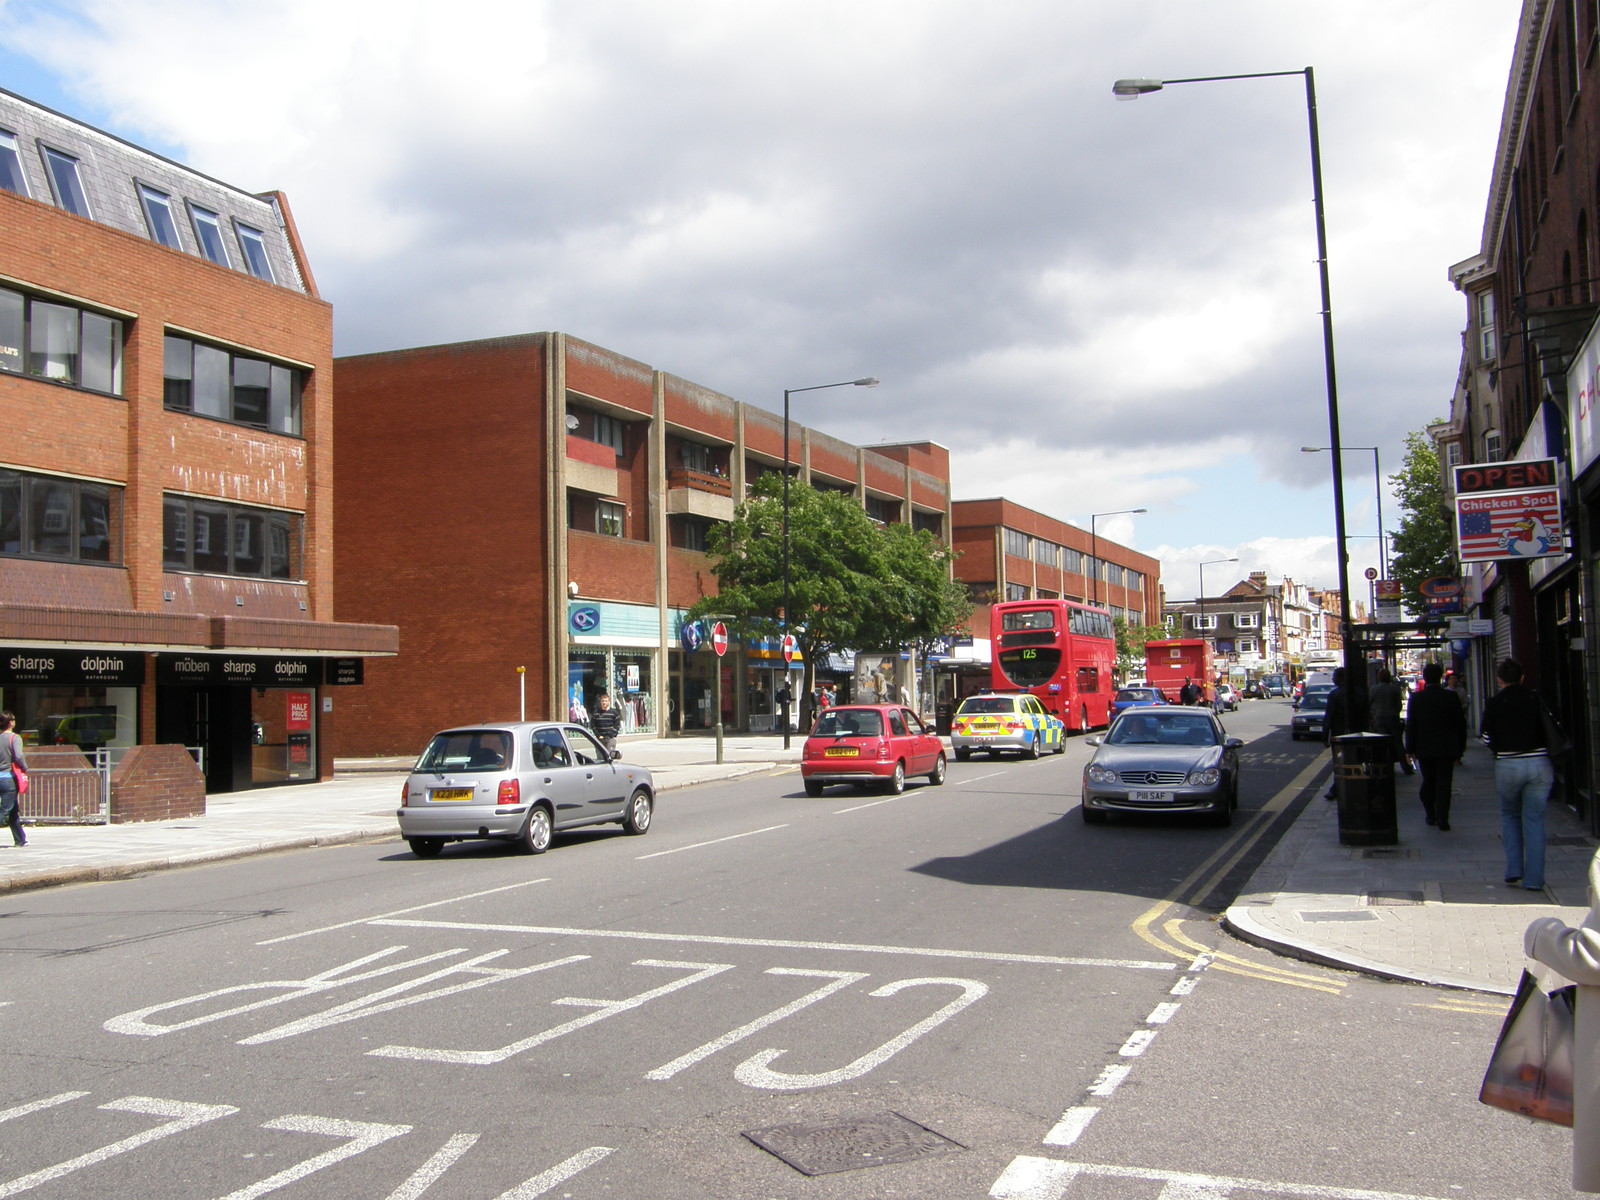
1509, 510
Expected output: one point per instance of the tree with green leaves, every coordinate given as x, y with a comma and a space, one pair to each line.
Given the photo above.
1424, 546
852, 585
1131, 640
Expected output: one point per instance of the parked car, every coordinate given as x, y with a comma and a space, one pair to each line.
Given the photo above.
1137, 697
1310, 718
865, 744
520, 782
1170, 760
996, 721
1275, 686
1227, 696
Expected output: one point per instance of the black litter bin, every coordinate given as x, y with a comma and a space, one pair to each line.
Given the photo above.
1363, 774
943, 718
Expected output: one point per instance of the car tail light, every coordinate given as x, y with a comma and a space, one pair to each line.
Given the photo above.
510, 792
1015, 726
405, 794
883, 752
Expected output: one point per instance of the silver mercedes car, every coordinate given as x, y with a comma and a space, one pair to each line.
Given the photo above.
1164, 759
521, 782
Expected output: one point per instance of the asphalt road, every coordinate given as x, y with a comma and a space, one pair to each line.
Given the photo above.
959, 992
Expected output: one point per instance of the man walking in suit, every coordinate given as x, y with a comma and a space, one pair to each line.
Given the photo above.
1436, 736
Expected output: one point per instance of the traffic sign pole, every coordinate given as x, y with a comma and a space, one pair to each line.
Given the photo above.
719, 643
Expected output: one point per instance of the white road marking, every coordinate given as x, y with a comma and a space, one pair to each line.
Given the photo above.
1028, 1178
1184, 1185
1161, 1014
424, 1176
182, 1117
1185, 985
603, 1009
1108, 1081
755, 1071
289, 937
841, 979
560, 1173
359, 1136
1071, 1126
870, 804
23, 1110
714, 841
1138, 1043
978, 778
1048, 960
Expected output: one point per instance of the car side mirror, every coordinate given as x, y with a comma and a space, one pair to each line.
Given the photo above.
1093, 741
616, 756
1233, 743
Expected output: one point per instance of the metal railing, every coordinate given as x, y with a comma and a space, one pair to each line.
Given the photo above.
79, 795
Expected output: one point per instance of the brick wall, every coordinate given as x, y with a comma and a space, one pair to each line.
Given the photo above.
156, 783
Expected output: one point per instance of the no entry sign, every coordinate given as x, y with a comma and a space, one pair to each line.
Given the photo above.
719, 638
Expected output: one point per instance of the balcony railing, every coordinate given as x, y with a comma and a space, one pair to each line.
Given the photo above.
594, 453
700, 481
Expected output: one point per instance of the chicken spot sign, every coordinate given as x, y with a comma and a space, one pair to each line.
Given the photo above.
1509, 510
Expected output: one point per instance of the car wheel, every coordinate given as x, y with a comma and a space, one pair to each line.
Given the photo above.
1031, 750
1092, 816
636, 817
897, 781
813, 787
963, 755
1223, 816
1061, 742
536, 834
425, 847
936, 776
992, 753
1083, 720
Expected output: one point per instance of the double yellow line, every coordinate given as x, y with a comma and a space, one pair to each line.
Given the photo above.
1205, 878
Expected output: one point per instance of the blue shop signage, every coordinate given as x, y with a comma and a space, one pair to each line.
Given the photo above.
583, 618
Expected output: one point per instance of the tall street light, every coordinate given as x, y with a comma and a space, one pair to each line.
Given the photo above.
1377, 483
787, 392
1208, 563
1094, 549
1355, 674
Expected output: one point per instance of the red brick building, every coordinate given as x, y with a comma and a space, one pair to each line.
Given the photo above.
532, 513
166, 538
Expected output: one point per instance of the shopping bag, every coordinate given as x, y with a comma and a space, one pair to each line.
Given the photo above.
1530, 1071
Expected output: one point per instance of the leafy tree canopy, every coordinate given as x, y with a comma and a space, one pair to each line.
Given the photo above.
1131, 640
1424, 546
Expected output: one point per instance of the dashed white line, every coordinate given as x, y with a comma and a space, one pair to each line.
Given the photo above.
978, 778
1028, 1178
1138, 1043
1161, 1014
714, 841
289, 937
870, 804
1108, 1081
560, 1173
1071, 1126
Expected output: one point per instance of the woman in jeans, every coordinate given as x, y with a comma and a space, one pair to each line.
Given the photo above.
1513, 721
11, 752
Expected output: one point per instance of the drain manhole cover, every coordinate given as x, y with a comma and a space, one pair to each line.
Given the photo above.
851, 1143
1392, 899
1567, 839
1385, 852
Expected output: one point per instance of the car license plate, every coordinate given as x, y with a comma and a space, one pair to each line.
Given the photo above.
450, 795
1148, 797
841, 752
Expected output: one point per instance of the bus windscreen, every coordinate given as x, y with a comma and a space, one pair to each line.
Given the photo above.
1030, 667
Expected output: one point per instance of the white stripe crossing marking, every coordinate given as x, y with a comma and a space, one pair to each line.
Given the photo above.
1071, 1126
425, 1176
400, 912
181, 1117
1047, 960
560, 1173
1161, 1014
1138, 1043
1029, 1178
359, 1136
732, 837
23, 1110
1109, 1080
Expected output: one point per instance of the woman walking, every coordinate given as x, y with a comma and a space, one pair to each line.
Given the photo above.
10, 802
1513, 721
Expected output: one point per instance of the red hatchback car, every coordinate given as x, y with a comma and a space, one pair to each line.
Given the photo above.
870, 743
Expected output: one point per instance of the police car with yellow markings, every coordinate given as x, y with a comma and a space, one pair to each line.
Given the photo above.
996, 721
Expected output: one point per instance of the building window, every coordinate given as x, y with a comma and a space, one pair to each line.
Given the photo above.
1046, 554
608, 516
1133, 580
884, 512
67, 520
158, 216
1209, 621
1016, 591
1072, 561
254, 246
60, 342
64, 182
11, 176
1486, 334
1491, 446
608, 431
1452, 458
1247, 645
1247, 620
1018, 545
696, 456
691, 533
208, 233
1113, 575
929, 521
213, 538
211, 382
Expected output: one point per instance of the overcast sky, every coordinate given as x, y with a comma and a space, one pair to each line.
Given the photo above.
1095, 305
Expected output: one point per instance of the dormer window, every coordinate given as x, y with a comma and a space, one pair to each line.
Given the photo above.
64, 182
254, 246
11, 176
208, 232
158, 216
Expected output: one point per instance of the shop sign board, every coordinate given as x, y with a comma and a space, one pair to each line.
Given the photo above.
1583, 399
345, 672
1441, 594
240, 669
1387, 594
109, 668
1508, 510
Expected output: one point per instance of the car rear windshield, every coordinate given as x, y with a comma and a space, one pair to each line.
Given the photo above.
849, 723
1136, 694
1139, 728
1315, 703
988, 704
467, 750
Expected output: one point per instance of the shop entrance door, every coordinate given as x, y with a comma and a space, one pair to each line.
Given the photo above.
217, 719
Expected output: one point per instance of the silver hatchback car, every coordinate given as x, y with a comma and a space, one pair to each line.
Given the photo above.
521, 782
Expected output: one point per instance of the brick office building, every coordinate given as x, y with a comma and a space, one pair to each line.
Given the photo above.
166, 547
542, 503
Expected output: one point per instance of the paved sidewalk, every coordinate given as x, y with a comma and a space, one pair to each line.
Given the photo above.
1433, 909
358, 804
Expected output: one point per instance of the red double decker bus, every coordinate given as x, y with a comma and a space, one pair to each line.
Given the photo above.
1061, 651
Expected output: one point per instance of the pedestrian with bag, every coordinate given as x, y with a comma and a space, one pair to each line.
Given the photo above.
12, 760
1436, 736
1574, 953
606, 722
1384, 703
1513, 722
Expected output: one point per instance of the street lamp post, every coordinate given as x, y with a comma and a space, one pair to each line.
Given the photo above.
1355, 674
787, 392
1202, 601
1377, 485
1094, 548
